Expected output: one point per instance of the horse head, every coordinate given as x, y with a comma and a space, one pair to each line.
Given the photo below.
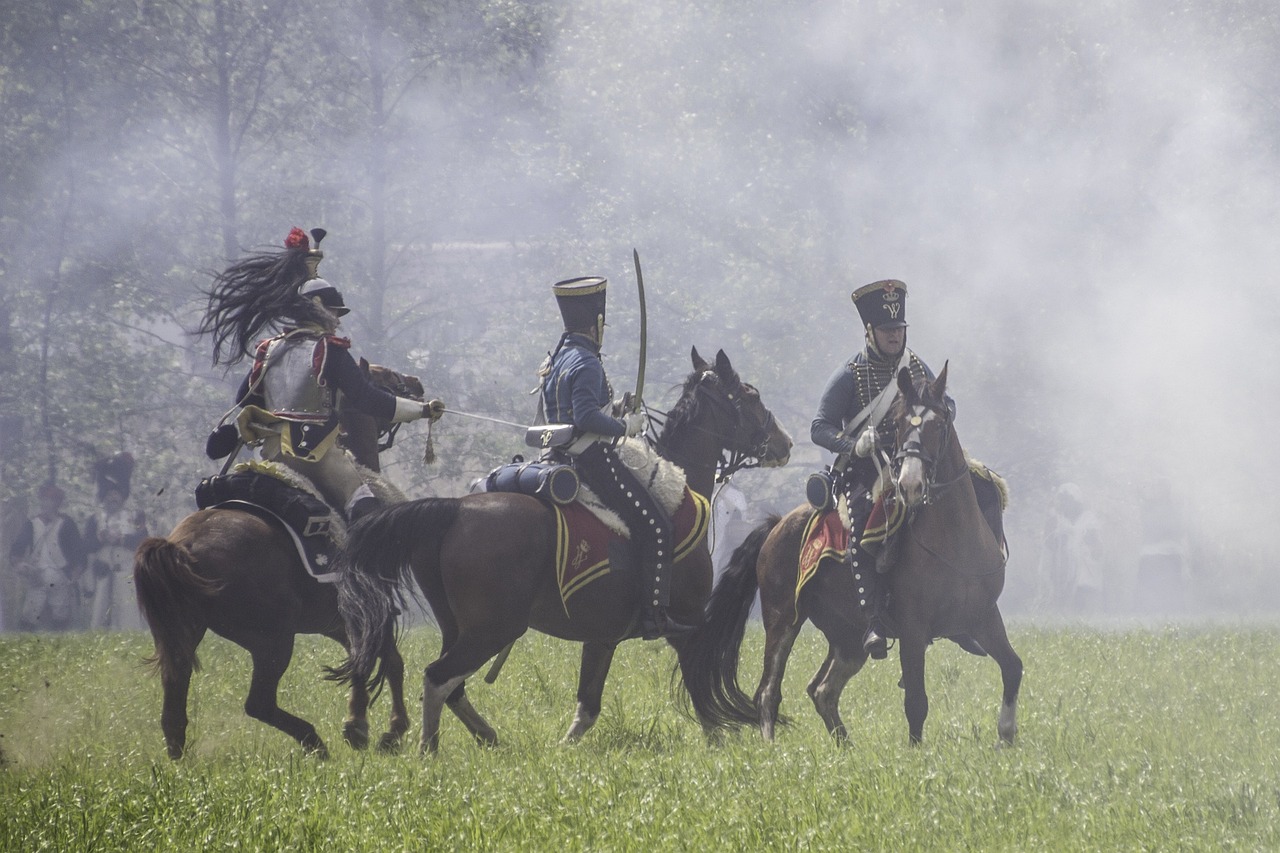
716, 408
922, 421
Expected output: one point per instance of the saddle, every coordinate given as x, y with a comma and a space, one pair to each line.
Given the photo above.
275, 494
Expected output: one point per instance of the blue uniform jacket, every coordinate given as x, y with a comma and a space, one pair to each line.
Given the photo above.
576, 391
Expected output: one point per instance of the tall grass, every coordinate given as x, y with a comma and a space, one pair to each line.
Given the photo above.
1132, 740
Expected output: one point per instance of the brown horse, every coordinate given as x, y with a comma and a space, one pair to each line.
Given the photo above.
947, 574
240, 576
486, 562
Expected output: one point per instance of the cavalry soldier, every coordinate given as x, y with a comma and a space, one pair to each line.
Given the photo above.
576, 391
852, 422
290, 397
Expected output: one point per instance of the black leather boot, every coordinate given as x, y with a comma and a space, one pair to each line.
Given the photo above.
867, 582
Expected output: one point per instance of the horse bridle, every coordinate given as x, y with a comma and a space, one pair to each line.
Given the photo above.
912, 445
735, 459
732, 460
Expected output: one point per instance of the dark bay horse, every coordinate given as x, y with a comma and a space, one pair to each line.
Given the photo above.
486, 563
231, 572
946, 577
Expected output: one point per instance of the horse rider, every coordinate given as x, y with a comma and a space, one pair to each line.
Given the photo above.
290, 397
852, 422
576, 391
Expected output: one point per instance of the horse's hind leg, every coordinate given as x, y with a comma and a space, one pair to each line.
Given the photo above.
175, 679
594, 669
995, 641
462, 708
844, 661
779, 638
443, 682
270, 660
398, 723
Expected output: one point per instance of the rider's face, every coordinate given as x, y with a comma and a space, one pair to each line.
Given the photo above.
890, 340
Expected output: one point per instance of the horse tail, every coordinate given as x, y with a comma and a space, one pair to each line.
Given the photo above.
170, 596
709, 656
375, 568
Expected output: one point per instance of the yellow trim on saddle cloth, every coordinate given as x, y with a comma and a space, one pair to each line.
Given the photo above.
812, 552
701, 517
581, 576
585, 576
896, 514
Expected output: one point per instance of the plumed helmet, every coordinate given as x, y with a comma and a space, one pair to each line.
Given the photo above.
581, 302
114, 472
264, 290
882, 304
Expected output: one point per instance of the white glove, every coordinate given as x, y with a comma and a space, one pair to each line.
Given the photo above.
407, 410
635, 422
433, 409
866, 444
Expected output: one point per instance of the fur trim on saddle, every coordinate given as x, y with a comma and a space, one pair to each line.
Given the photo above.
978, 469
665, 479
381, 488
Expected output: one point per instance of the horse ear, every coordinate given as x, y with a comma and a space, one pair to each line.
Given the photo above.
906, 386
724, 368
364, 365
940, 384
698, 363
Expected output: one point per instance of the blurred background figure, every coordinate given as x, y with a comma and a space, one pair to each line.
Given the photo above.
1160, 585
49, 560
730, 524
1071, 554
111, 536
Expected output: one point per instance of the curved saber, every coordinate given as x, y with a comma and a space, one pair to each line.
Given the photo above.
644, 335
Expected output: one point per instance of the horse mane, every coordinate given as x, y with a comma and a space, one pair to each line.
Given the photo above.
686, 409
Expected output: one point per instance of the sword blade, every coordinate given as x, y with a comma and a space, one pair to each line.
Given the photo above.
644, 333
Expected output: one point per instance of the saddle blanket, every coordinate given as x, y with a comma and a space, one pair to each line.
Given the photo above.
582, 540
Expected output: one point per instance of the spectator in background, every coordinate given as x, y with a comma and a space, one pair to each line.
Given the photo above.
49, 556
1071, 555
110, 538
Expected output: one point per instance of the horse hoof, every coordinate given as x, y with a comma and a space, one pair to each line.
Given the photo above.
390, 744
356, 735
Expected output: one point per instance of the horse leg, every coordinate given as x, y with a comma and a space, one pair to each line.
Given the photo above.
462, 708
995, 641
393, 670
175, 679
444, 679
355, 728
270, 660
594, 669
779, 638
911, 648
844, 661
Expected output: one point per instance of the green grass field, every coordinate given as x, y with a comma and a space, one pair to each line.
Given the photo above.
1129, 740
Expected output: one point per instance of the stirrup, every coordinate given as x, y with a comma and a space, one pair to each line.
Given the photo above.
875, 645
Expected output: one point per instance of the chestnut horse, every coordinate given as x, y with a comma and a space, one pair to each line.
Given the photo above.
486, 563
947, 573
231, 572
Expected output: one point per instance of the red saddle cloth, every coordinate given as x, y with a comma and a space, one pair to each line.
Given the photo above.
582, 541
824, 536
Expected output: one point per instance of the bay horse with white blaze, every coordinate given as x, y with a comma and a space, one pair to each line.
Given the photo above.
487, 563
228, 571
946, 576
